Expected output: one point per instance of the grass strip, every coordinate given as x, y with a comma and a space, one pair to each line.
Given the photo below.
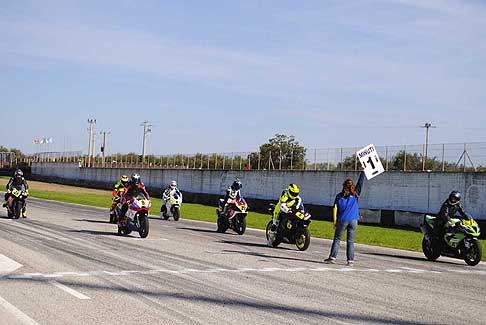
370, 235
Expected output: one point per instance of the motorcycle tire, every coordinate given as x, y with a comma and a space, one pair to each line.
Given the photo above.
431, 250
277, 241
302, 241
165, 216
144, 227
222, 226
17, 209
241, 226
473, 255
176, 214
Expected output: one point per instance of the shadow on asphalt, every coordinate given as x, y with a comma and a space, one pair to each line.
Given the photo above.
272, 256
92, 221
234, 302
252, 244
411, 258
100, 233
205, 230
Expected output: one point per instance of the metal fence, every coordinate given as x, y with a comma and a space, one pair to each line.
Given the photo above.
437, 157
6, 159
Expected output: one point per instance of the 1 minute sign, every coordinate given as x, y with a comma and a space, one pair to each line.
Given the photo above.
370, 161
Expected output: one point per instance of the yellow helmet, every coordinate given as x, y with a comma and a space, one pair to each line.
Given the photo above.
293, 190
124, 180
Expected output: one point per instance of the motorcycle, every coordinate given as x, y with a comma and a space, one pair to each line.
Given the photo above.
235, 216
459, 242
293, 228
116, 213
16, 201
172, 205
137, 216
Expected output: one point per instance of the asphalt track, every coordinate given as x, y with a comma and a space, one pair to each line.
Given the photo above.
71, 267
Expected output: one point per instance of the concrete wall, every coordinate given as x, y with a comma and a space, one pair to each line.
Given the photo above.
392, 191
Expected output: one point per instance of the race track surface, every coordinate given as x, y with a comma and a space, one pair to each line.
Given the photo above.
65, 264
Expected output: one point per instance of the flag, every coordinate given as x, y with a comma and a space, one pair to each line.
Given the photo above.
37, 141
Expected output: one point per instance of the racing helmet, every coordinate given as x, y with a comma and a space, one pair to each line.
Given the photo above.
293, 190
455, 197
135, 179
124, 180
173, 184
236, 186
19, 174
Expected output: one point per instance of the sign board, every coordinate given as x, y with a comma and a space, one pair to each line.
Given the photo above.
369, 159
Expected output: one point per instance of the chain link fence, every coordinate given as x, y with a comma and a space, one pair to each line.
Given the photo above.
451, 157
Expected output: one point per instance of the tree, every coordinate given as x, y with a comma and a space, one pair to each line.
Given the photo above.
280, 152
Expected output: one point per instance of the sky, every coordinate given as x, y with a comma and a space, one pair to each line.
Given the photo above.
225, 76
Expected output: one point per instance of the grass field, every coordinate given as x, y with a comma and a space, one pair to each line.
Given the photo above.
371, 235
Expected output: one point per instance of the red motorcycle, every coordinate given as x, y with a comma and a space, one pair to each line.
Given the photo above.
235, 216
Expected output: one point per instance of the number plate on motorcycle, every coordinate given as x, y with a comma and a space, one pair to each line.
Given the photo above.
369, 159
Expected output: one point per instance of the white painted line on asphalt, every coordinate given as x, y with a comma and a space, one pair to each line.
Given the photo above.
69, 290
340, 269
23, 318
8, 265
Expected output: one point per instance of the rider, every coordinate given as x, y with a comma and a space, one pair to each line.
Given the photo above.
171, 190
448, 210
290, 199
135, 185
17, 180
233, 192
118, 190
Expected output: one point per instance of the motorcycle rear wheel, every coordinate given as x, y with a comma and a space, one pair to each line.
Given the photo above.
222, 225
431, 249
473, 255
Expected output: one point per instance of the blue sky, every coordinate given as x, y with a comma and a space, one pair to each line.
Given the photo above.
221, 76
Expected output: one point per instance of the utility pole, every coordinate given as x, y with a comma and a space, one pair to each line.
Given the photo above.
146, 130
91, 126
103, 147
427, 126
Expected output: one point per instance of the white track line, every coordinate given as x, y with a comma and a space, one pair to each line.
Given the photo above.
19, 315
69, 290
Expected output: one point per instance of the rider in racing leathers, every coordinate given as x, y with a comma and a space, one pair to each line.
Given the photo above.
118, 190
289, 200
448, 210
17, 180
171, 190
133, 187
233, 192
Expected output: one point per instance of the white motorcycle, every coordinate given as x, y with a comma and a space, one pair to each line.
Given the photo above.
172, 206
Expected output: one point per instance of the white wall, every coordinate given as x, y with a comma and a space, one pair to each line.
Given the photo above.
413, 192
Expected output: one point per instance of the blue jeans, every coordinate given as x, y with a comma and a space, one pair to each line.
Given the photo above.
351, 227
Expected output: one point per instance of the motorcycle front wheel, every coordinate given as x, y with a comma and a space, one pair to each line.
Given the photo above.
302, 240
144, 227
17, 209
176, 214
241, 226
473, 255
277, 241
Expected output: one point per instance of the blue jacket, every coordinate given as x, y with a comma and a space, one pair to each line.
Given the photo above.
346, 208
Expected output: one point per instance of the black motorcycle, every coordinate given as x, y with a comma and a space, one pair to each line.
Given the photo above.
16, 201
293, 228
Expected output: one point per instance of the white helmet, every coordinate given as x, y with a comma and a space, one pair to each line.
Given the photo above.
173, 184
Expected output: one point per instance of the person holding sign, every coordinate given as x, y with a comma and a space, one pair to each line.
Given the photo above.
346, 216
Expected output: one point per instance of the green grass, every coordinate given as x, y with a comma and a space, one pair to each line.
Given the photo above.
370, 235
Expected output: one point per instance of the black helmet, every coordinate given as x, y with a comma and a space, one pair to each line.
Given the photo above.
455, 197
135, 179
236, 185
19, 173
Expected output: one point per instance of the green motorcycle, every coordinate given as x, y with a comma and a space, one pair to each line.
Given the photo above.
459, 242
